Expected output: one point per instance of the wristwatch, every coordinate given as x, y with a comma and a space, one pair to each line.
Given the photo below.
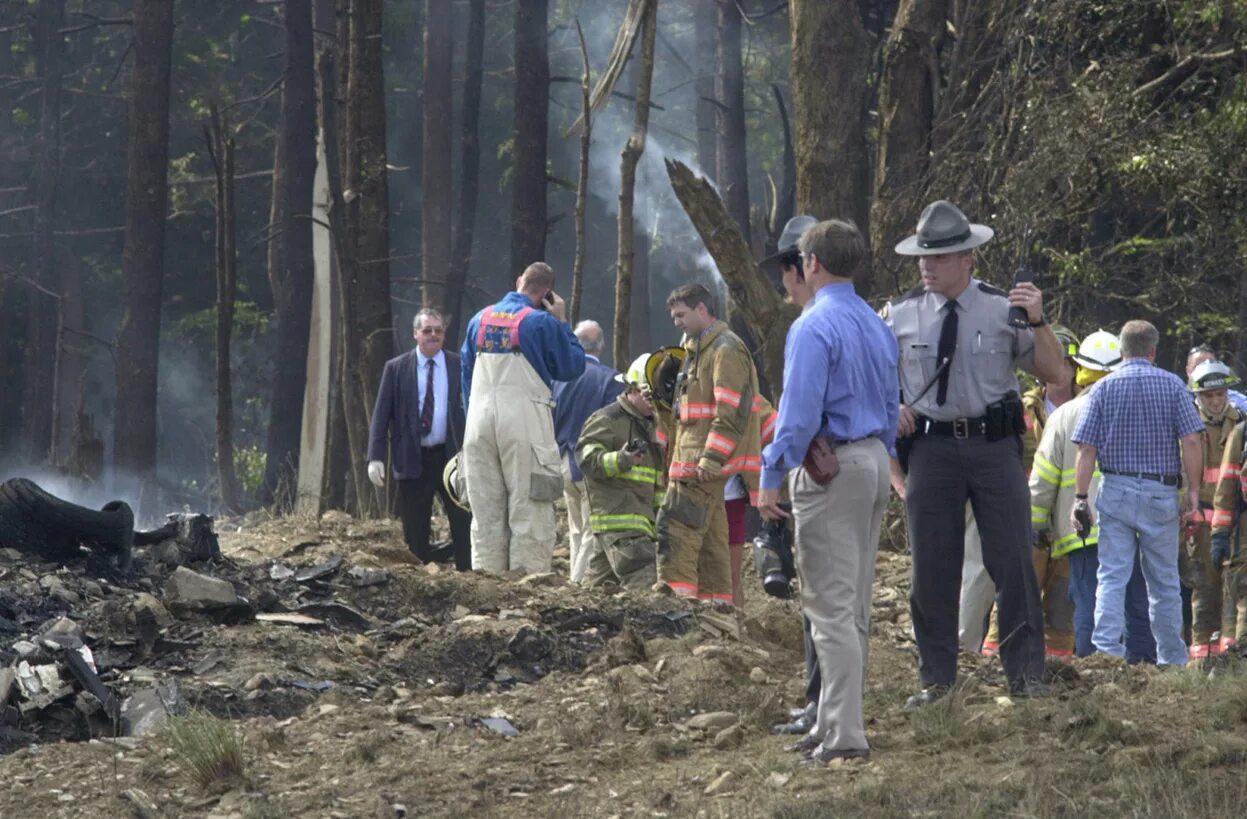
1042, 321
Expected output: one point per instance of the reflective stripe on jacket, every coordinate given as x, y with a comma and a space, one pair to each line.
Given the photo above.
717, 426
623, 498
1052, 480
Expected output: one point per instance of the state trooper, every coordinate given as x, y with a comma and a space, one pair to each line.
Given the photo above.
960, 439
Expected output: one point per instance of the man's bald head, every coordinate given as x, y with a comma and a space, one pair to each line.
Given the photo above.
591, 336
536, 280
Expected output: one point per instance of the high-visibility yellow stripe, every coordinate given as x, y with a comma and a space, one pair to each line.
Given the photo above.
1039, 515
1072, 542
1046, 469
610, 464
621, 523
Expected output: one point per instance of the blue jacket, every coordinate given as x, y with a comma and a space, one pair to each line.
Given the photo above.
397, 415
575, 401
548, 344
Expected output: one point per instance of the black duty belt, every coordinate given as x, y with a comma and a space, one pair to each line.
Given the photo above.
1167, 480
960, 428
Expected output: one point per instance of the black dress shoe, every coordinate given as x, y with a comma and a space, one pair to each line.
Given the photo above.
927, 696
805, 745
1030, 688
827, 755
803, 721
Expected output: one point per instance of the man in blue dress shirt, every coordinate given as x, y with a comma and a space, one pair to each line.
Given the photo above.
840, 384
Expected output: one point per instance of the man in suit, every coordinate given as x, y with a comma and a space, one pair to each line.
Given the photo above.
574, 402
420, 408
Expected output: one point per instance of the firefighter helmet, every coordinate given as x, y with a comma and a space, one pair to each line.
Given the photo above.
661, 369
1212, 375
1100, 351
456, 484
1069, 341
636, 371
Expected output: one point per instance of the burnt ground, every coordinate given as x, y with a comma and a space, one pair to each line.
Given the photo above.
390, 715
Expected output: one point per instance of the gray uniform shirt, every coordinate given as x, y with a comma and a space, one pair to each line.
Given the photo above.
988, 354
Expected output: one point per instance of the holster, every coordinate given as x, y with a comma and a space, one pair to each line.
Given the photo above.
903, 446
1005, 418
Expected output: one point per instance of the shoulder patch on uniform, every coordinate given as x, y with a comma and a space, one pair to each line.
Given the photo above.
992, 291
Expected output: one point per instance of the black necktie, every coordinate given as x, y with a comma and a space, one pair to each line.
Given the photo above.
426, 412
944, 353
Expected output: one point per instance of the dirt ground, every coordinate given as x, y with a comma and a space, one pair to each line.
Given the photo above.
601, 688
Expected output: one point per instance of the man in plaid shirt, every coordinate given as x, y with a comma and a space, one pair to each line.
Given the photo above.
1131, 422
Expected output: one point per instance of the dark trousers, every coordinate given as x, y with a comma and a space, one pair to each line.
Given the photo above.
1083, 565
813, 677
943, 473
415, 508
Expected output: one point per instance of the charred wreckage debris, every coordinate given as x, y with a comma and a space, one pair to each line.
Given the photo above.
106, 631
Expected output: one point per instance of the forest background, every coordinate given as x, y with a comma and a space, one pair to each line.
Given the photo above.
158, 165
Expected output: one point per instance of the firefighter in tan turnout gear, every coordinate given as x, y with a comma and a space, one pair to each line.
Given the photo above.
622, 462
1211, 382
717, 435
513, 351
1226, 541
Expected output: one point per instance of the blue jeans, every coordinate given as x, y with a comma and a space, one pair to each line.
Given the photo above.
1083, 565
1139, 521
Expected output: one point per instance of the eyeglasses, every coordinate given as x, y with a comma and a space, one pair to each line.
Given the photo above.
432, 331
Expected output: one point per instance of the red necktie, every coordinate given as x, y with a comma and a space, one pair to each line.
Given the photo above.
426, 411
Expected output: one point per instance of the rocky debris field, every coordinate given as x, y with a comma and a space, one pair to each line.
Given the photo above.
358, 684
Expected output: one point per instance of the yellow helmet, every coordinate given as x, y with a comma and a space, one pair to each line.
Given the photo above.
636, 371
661, 368
455, 483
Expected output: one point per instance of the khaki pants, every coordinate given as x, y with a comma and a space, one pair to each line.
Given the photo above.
511, 464
978, 592
1234, 603
693, 556
1058, 609
1197, 571
837, 540
580, 539
626, 559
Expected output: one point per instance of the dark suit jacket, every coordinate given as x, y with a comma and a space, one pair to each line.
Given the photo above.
576, 400
397, 413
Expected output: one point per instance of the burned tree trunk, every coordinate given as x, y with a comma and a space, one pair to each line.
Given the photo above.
138, 339
43, 310
582, 181
786, 197
291, 264
907, 99
221, 152
756, 300
435, 178
469, 165
733, 170
366, 324
532, 106
831, 56
705, 23
627, 170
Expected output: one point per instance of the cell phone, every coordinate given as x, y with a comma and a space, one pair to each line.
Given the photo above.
1017, 315
548, 298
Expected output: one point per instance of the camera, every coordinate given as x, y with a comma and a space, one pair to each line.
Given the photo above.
772, 554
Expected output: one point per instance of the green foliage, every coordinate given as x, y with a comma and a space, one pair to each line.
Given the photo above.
249, 463
207, 750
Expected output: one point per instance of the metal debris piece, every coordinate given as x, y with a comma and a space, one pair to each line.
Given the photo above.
319, 570
339, 614
82, 669
318, 686
500, 725
361, 576
290, 619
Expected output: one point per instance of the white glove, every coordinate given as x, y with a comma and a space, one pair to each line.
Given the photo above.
376, 473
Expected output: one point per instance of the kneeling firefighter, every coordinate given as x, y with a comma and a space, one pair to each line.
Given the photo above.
623, 464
